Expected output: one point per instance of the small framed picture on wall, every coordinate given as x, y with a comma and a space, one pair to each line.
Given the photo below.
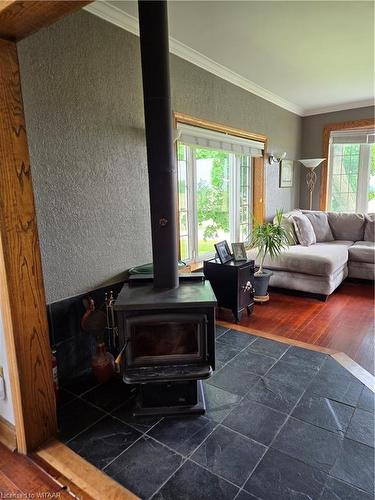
286, 174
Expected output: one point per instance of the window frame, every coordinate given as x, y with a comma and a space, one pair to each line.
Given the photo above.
324, 179
191, 211
363, 176
258, 167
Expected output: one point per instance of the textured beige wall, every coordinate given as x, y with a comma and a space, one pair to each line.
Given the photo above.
312, 142
81, 81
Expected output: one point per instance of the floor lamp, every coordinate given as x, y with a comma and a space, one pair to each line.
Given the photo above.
311, 175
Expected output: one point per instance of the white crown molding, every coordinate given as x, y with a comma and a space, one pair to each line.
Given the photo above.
123, 20
339, 107
119, 18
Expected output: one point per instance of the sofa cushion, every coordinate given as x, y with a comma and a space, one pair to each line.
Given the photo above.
347, 226
321, 259
319, 222
370, 228
362, 251
287, 224
304, 230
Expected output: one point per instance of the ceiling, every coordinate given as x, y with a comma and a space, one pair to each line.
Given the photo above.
306, 56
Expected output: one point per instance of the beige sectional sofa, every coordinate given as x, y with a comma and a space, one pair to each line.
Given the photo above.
348, 250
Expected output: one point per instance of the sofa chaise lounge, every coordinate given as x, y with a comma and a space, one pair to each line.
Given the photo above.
344, 247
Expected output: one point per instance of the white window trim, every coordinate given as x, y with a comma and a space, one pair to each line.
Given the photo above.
234, 208
363, 176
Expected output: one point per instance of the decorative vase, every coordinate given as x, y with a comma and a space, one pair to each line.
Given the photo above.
102, 364
261, 286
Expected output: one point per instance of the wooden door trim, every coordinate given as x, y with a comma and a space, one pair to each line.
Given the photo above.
354, 124
78, 475
23, 304
24, 307
21, 18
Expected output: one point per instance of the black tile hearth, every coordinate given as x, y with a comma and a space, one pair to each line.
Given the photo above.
281, 423
125, 414
367, 400
255, 421
233, 379
224, 352
229, 455
337, 490
236, 339
75, 417
324, 413
182, 434
219, 403
361, 427
81, 384
275, 394
308, 443
312, 359
104, 441
144, 467
220, 330
253, 362
281, 477
297, 374
335, 382
110, 395
355, 465
269, 347
192, 482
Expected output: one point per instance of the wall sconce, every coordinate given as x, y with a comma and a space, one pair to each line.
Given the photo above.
276, 157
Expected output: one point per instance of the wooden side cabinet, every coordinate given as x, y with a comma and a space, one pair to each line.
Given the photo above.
233, 285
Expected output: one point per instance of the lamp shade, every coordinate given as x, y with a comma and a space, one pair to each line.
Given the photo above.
312, 163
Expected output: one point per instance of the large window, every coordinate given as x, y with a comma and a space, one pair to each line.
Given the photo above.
214, 189
352, 171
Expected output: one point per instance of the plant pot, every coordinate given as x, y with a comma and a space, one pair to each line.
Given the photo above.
102, 364
261, 282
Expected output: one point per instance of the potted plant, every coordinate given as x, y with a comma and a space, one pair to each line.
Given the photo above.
270, 239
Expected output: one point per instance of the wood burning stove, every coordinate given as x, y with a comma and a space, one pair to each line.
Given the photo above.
169, 339
166, 322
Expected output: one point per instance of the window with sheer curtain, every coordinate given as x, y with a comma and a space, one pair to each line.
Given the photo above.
214, 189
351, 171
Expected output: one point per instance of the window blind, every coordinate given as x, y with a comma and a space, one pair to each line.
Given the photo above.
364, 136
196, 136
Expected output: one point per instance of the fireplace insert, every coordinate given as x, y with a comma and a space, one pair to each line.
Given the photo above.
168, 338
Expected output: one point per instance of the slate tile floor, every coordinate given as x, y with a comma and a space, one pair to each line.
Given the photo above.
281, 423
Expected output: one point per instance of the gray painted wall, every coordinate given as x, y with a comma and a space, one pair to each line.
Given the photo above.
312, 142
81, 81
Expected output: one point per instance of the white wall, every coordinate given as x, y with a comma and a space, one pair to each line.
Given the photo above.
6, 406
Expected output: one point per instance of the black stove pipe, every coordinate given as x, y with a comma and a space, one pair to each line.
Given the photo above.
153, 24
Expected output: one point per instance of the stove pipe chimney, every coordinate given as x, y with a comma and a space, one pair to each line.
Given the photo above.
153, 24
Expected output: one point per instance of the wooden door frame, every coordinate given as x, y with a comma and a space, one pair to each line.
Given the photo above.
23, 304
354, 124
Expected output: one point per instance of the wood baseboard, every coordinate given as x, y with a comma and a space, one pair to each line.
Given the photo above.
271, 336
80, 478
8, 434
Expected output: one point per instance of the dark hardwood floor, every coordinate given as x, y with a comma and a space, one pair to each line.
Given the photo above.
20, 477
345, 322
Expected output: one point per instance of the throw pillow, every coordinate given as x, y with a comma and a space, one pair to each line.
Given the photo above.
319, 222
347, 226
304, 230
370, 227
287, 224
